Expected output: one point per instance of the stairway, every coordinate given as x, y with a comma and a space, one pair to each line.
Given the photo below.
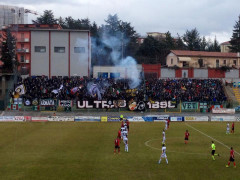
236, 94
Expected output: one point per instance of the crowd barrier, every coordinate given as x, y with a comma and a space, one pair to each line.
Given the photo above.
147, 118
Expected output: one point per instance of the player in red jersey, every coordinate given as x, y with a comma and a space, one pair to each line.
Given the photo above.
168, 123
122, 125
232, 131
119, 133
186, 136
117, 145
127, 121
231, 159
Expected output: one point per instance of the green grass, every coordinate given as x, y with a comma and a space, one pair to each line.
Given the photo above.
77, 150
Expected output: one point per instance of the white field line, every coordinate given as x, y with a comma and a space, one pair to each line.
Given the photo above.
146, 144
211, 137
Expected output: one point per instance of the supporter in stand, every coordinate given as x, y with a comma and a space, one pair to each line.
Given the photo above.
77, 88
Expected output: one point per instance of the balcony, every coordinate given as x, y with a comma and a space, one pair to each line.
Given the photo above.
22, 50
23, 40
26, 61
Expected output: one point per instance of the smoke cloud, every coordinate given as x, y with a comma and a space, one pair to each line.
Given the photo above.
117, 44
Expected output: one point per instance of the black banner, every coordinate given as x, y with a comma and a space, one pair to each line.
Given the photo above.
132, 105
101, 104
65, 103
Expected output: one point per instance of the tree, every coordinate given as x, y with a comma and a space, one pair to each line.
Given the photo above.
214, 47
8, 50
149, 51
192, 40
180, 44
169, 41
46, 18
235, 40
61, 22
203, 44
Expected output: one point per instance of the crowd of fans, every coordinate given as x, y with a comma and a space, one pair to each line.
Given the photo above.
81, 88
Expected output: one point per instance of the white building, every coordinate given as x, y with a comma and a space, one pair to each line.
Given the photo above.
56, 52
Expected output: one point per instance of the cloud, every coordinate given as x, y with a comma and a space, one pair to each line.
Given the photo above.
176, 16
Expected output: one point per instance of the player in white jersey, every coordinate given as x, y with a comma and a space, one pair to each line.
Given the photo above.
122, 130
125, 140
166, 124
228, 129
163, 155
164, 137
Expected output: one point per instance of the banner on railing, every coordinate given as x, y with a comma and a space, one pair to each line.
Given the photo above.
189, 105
47, 102
65, 103
223, 111
101, 104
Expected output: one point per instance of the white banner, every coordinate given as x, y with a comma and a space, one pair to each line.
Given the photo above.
39, 119
61, 118
87, 118
223, 118
223, 111
136, 119
196, 118
19, 118
7, 118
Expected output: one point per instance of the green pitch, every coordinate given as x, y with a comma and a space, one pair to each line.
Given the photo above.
75, 150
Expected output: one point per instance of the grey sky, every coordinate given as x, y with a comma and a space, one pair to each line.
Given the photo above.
211, 17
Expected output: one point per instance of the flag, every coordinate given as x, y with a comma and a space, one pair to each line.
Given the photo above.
20, 89
94, 90
56, 91
74, 90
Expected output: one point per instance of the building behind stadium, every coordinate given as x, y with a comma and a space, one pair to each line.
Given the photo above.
49, 50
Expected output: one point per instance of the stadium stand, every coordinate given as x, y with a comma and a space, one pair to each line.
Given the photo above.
84, 88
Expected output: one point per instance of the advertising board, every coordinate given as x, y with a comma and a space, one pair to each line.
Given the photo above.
223, 118
177, 118
87, 118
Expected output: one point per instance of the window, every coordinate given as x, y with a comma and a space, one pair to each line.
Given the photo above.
59, 49
171, 61
235, 62
217, 63
22, 46
22, 35
102, 74
79, 49
224, 62
200, 62
40, 49
22, 58
114, 75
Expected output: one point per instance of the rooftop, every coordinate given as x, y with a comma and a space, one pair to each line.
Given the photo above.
203, 54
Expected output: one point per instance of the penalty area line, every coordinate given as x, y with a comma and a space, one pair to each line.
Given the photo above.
210, 137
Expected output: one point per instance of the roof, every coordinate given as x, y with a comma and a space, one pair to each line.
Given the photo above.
225, 43
203, 54
61, 30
